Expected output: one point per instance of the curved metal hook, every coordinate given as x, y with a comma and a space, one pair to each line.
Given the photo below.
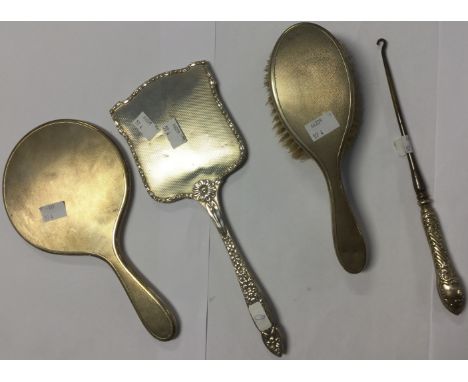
396, 104
381, 41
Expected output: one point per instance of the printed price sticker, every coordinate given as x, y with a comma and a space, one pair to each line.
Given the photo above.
174, 133
322, 125
403, 145
53, 211
259, 316
146, 126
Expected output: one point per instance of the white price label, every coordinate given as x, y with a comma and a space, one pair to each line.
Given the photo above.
146, 126
403, 145
174, 133
322, 125
259, 316
53, 211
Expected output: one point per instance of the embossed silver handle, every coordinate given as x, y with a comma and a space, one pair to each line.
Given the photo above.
449, 287
206, 192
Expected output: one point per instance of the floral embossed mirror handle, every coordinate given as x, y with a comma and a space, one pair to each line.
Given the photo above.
449, 286
207, 192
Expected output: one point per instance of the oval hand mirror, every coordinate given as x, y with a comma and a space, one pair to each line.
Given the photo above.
65, 188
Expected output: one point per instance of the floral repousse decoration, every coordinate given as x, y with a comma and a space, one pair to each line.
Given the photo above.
205, 190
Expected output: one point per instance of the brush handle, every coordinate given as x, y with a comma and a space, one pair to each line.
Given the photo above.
153, 312
349, 242
207, 192
450, 290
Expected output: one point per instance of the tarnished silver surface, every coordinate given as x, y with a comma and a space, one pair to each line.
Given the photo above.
75, 163
207, 193
449, 286
211, 152
308, 75
196, 168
